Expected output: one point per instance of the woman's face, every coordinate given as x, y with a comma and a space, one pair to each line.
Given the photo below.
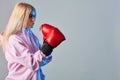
31, 19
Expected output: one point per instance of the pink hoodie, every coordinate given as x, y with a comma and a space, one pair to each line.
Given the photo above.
24, 57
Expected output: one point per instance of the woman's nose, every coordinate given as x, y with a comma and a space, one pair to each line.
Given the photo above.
33, 19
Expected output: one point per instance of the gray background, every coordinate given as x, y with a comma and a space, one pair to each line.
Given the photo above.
92, 29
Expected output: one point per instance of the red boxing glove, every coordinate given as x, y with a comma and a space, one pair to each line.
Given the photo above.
52, 35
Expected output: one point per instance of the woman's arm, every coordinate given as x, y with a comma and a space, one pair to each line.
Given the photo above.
17, 52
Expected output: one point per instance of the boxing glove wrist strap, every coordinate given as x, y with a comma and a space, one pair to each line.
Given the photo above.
46, 48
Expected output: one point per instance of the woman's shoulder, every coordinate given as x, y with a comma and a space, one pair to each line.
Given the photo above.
15, 38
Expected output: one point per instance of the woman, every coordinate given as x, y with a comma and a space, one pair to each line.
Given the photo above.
22, 47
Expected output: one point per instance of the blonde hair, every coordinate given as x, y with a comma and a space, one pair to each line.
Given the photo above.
18, 20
